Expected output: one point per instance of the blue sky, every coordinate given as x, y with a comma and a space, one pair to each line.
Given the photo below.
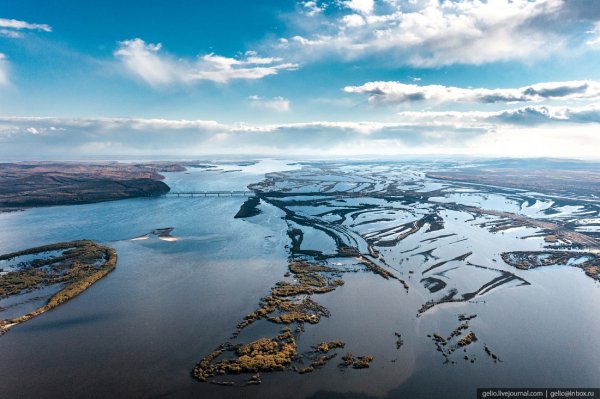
325, 77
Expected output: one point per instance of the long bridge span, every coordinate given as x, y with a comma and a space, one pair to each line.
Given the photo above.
213, 193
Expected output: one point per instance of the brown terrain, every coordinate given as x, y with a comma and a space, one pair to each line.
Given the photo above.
32, 184
582, 182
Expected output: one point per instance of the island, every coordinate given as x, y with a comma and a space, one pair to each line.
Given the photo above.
66, 268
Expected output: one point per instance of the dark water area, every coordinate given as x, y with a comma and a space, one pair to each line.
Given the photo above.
140, 331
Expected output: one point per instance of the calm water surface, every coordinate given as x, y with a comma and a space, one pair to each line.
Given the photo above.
140, 331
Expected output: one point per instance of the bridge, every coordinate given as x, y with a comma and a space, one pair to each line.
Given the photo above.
218, 193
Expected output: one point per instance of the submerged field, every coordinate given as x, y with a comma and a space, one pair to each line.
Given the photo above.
359, 278
441, 244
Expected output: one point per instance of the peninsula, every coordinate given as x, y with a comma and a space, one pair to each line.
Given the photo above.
34, 184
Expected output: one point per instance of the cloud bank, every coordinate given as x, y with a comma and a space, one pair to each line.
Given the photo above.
399, 93
524, 116
532, 131
431, 33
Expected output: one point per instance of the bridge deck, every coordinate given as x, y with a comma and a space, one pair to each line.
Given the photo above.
218, 193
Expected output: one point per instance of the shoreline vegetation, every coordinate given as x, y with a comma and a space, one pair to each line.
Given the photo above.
76, 266
525, 260
289, 304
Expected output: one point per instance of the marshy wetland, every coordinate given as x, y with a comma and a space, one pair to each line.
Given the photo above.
366, 279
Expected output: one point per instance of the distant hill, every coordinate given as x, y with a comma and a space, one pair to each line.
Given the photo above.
32, 184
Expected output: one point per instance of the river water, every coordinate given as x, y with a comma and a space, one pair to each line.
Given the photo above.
139, 331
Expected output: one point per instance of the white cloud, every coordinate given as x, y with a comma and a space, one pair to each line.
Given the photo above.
160, 136
222, 69
12, 27
13, 34
143, 59
353, 20
530, 116
312, 8
596, 32
431, 33
3, 70
534, 115
277, 104
397, 93
16, 24
146, 61
532, 131
362, 6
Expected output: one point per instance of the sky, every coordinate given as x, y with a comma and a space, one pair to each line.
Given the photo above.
316, 78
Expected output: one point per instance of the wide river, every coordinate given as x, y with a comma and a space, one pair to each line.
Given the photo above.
139, 331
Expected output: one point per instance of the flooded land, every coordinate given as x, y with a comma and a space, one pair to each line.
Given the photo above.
68, 268
343, 279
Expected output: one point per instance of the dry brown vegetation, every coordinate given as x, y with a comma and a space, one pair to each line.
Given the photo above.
264, 354
289, 303
79, 265
31, 184
360, 362
284, 306
320, 355
467, 339
457, 330
447, 346
325, 347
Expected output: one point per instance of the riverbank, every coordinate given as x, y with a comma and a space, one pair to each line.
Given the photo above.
36, 184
